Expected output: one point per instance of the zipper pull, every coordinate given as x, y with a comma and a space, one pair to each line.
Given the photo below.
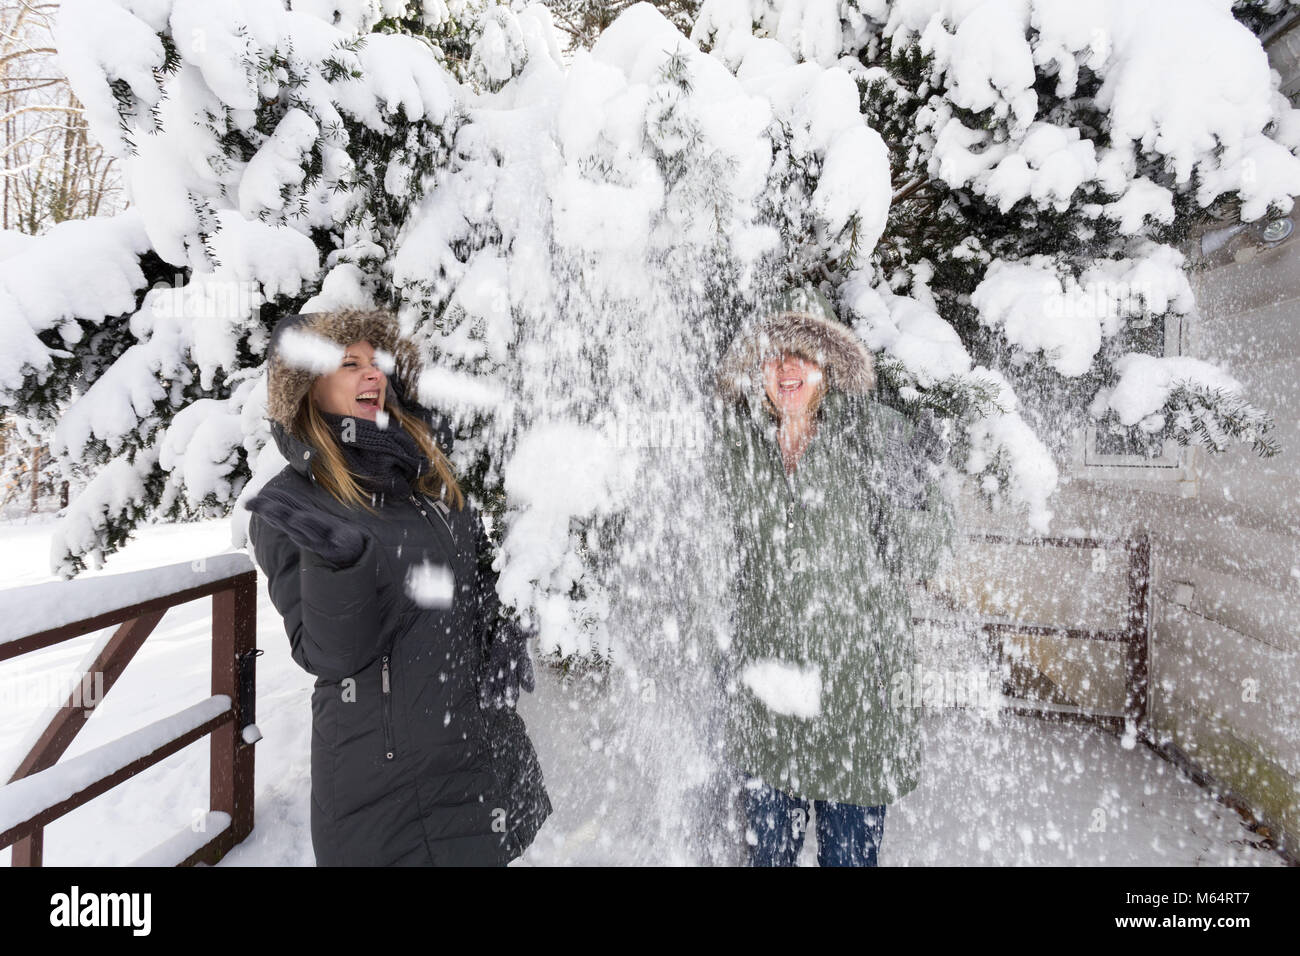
384, 674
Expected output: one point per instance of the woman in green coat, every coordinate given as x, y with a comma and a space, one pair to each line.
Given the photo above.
835, 510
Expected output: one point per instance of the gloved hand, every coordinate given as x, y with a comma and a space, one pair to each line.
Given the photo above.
338, 542
507, 667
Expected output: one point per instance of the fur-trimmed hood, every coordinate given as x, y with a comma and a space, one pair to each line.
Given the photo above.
287, 382
801, 321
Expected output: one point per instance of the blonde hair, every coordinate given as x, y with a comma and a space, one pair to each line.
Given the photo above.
331, 469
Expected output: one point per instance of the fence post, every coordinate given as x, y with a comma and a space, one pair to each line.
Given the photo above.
29, 851
1139, 579
234, 634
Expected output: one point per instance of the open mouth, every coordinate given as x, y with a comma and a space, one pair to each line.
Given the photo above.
368, 400
790, 384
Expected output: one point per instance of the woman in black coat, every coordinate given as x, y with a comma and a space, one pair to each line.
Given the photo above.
381, 571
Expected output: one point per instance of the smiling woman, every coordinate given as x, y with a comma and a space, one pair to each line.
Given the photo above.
793, 388
381, 570
835, 513
357, 387
353, 384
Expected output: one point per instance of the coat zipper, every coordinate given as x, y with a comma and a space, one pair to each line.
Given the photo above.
438, 508
793, 506
386, 707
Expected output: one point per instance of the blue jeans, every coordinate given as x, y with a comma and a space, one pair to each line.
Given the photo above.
847, 834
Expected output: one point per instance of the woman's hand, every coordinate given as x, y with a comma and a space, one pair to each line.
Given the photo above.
340, 543
508, 667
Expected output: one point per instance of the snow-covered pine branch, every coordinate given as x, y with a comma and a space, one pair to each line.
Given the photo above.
270, 156
572, 242
600, 233
1047, 158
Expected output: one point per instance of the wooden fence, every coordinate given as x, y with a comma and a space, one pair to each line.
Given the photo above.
42, 789
1123, 592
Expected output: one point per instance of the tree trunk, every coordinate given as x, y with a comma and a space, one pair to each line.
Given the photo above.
9, 138
36, 476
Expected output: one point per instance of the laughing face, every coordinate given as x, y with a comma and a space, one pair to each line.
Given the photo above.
791, 382
357, 387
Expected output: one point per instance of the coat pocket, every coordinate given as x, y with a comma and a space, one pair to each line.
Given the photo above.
365, 770
324, 745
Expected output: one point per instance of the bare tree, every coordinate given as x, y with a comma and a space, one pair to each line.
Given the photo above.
52, 171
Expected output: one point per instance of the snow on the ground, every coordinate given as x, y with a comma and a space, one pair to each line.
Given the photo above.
1011, 791
1014, 791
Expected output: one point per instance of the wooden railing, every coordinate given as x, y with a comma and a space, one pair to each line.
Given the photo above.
42, 789
1130, 631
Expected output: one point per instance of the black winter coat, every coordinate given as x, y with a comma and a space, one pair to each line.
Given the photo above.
406, 769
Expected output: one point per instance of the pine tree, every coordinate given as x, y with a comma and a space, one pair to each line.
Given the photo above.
271, 157
574, 244
642, 202
583, 21
1040, 186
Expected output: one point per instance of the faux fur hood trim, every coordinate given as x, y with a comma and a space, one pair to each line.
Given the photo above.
286, 384
843, 356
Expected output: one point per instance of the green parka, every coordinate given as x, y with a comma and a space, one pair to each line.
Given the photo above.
823, 618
